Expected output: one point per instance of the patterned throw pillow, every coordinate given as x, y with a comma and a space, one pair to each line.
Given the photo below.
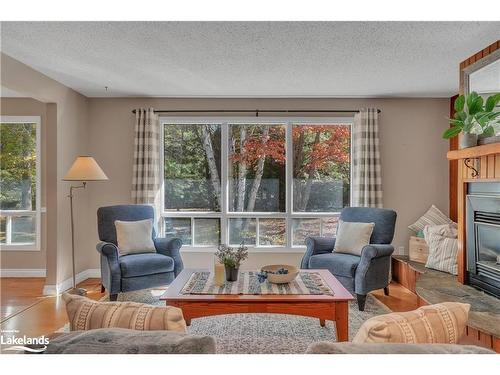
433, 216
85, 314
443, 323
443, 252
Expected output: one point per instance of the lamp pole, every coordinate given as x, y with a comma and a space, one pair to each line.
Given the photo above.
75, 290
84, 169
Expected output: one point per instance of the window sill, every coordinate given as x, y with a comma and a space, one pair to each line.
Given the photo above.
251, 250
20, 247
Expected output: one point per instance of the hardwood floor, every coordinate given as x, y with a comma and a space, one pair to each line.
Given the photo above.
35, 315
26, 310
399, 298
18, 294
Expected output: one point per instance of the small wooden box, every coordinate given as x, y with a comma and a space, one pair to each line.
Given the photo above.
419, 251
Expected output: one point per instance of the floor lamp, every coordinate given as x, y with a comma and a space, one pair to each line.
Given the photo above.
84, 169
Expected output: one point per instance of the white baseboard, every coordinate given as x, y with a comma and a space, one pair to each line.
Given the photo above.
22, 272
49, 289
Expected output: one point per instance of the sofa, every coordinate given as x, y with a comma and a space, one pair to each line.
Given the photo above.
128, 341
389, 348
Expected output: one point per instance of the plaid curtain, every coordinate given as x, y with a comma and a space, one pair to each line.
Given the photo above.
367, 176
146, 170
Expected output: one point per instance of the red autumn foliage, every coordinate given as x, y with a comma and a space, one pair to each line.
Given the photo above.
330, 145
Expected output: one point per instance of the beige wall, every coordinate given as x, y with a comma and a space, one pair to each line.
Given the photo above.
28, 259
414, 165
415, 170
67, 109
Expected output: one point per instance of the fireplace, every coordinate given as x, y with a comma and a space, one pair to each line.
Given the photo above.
483, 236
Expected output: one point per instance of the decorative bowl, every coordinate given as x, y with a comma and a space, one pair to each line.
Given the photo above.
280, 278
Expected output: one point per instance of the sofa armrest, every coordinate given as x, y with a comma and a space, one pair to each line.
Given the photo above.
108, 249
373, 270
110, 266
316, 245
373, 251
171, 247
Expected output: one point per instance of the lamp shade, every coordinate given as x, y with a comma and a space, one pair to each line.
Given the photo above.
85, 168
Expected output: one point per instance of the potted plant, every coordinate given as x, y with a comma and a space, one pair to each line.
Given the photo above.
474, 116
231, 258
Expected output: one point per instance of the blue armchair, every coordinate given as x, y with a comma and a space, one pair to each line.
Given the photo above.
359, 274
134, 271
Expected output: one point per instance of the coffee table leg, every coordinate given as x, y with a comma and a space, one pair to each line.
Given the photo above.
322, 322
188, 321
342, 320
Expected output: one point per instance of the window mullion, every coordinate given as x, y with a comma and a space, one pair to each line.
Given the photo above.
8, 230
224, 238
289, 181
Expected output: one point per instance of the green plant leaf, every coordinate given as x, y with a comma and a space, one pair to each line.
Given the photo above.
471, 98
467, 124
489, 131
476, 105
456, 122
452, 132
492, 102
459, 103
460, 116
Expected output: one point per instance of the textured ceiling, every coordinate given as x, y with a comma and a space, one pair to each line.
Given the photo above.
250, 59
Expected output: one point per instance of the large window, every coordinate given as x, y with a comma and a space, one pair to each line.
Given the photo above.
19, 183
268, 184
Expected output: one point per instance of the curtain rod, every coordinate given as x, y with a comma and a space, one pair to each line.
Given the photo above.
257, 111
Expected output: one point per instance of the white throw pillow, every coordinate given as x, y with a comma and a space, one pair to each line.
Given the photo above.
445, 230
443, 252
135, 236
433, 216
352, 237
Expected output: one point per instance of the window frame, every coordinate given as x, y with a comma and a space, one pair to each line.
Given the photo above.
224, 215
37, 213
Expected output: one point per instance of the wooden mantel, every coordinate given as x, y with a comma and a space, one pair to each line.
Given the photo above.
474, 152
480, 163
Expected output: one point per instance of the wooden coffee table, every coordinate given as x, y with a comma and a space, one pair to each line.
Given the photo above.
323, 307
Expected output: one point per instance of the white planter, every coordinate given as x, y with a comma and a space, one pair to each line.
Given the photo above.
467, 140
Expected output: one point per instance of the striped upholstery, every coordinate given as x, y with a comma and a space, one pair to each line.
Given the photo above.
84, 314
443, 323
366, 169
433, 216
443, 251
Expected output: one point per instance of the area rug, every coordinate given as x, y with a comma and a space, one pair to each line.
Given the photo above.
264, 333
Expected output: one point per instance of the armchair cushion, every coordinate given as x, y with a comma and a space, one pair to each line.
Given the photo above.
352, 237
134, 265
135, 236
337, 263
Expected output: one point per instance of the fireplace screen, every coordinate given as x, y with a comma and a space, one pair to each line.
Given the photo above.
483, 236
488, 247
